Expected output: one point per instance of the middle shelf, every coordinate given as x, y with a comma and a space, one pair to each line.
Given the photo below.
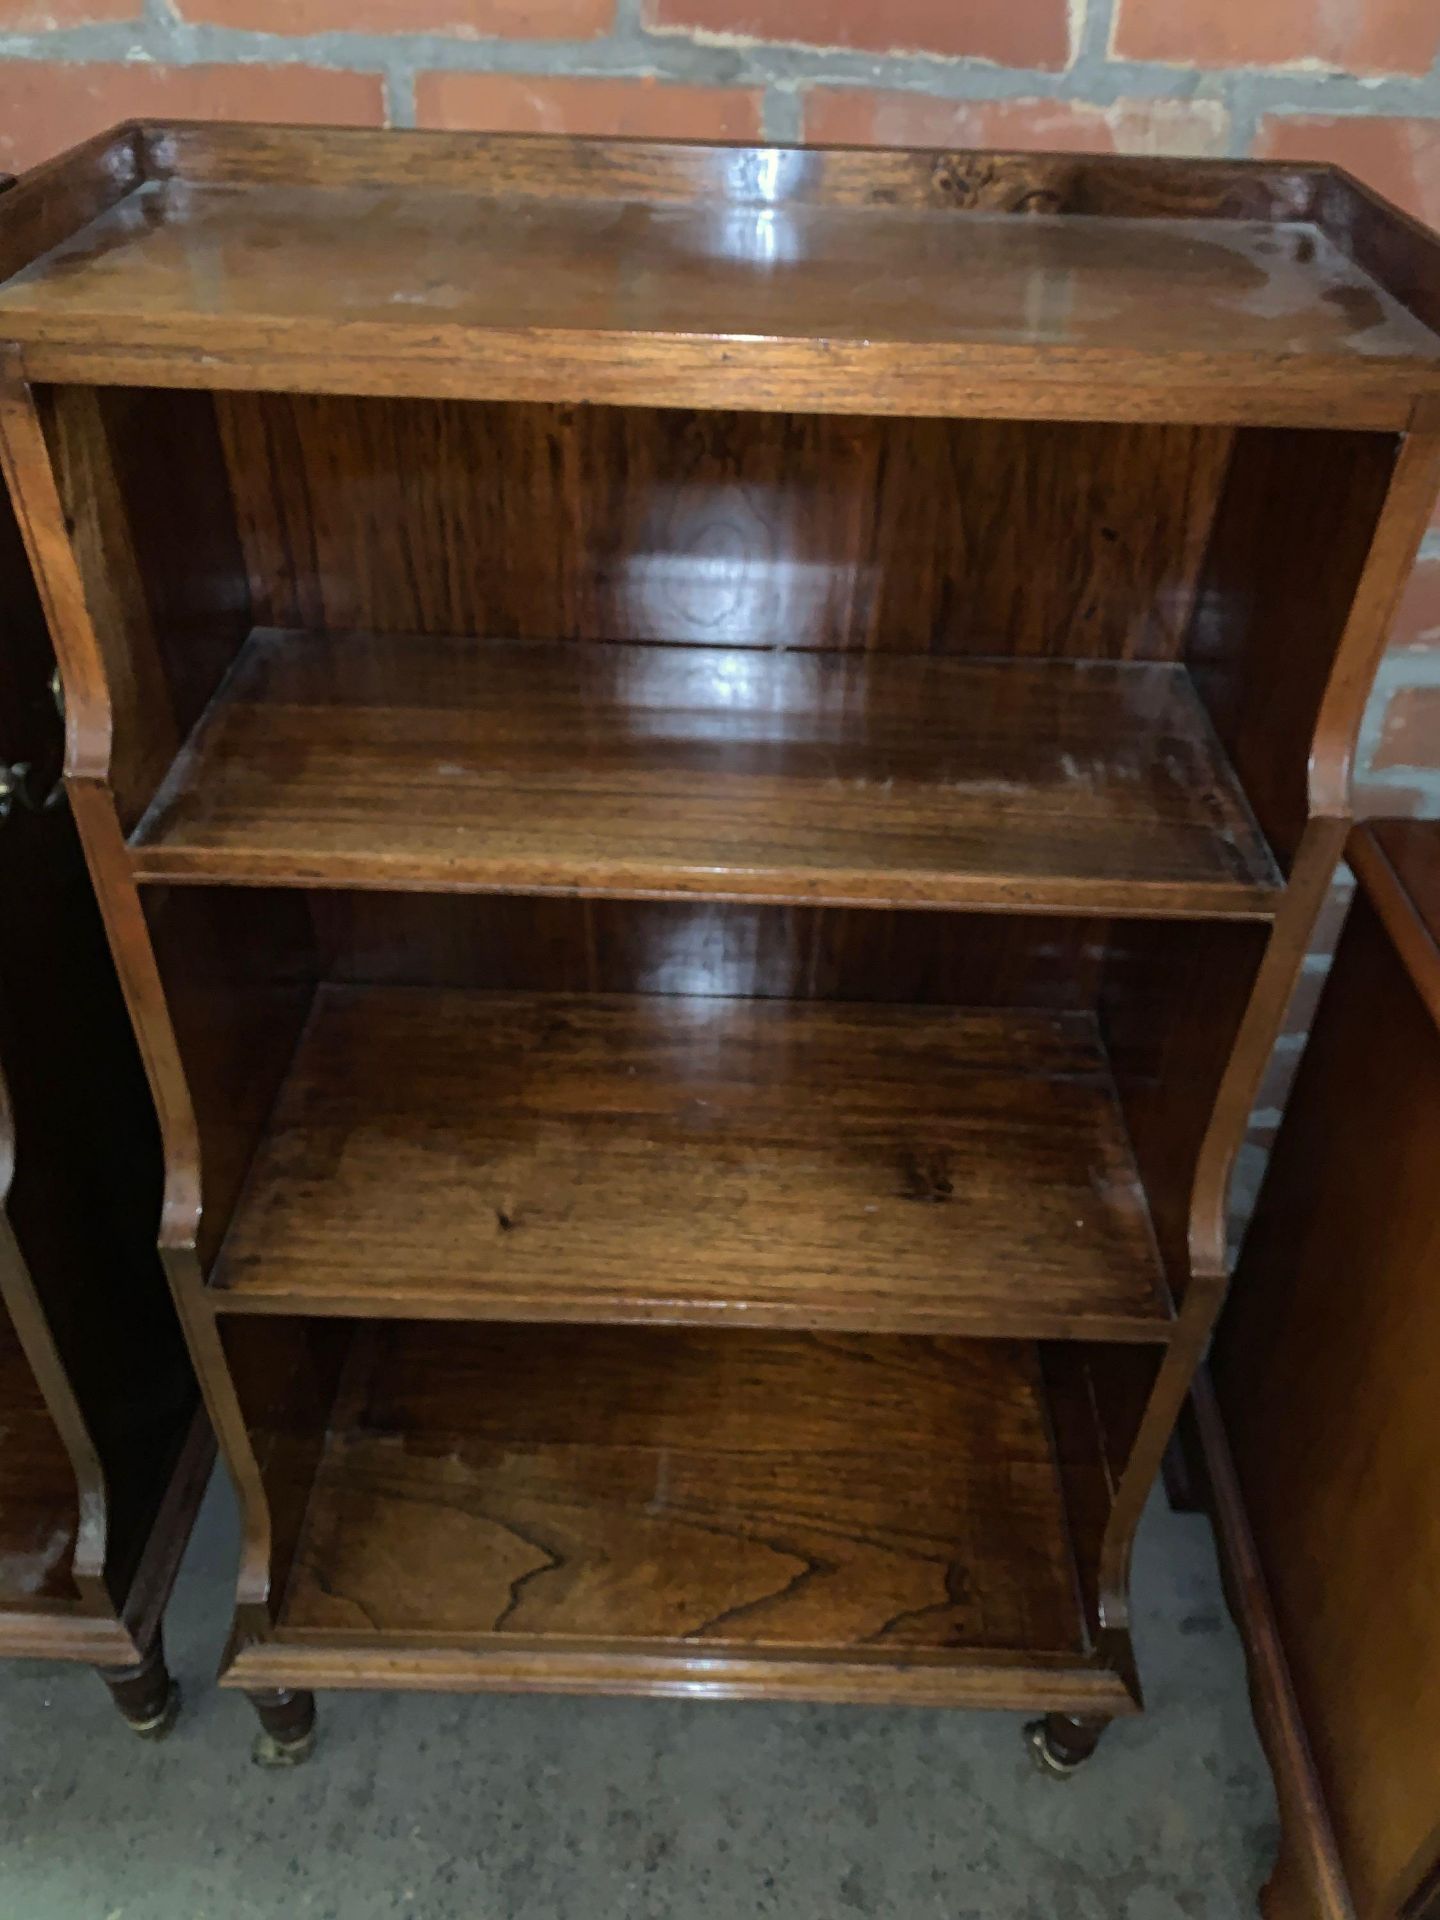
465, 1154
371, 760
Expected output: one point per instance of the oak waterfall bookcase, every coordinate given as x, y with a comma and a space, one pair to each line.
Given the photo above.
104, 1447
709, 770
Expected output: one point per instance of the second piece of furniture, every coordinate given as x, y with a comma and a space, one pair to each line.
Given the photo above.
1323, 1430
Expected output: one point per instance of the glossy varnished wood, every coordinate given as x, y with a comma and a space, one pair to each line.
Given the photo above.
510, 268
673, 526
887, 1512
1039, 546
667, 1158
1325, 1380
449, 763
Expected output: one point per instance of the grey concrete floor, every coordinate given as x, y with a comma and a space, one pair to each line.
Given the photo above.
432, 1807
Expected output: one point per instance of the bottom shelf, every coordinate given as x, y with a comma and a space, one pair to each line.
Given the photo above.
644, 1510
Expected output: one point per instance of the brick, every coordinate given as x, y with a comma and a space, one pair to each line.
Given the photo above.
1417, 618
1410, 732
467, 19
41, 16
856, 116
52, 104
514, 103
1357, 36
1398, 157
1013, 33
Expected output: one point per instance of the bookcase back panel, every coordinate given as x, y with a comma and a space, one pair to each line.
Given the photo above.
793, 953
719, 528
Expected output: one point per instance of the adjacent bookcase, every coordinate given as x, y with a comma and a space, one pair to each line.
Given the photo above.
709, 770
104, 1447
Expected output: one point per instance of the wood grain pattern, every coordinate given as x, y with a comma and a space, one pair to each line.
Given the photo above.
1324, 1370
754, 530
678, 1159
529, 943
724, 1491
1307, 1881
508, 292
570, 167
365, 761
897, 293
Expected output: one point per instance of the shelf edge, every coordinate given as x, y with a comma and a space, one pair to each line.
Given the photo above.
1016, 1685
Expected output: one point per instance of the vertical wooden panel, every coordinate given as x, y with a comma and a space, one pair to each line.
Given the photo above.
1291, 537
1324, 1369
600, 523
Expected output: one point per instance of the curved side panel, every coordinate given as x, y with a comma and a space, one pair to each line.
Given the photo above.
81, 615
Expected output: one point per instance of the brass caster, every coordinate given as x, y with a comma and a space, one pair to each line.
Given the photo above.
1046, 1757
270, 1752
158, 1725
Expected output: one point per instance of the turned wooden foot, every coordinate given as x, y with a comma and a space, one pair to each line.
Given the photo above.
148, 1699
1061, 1742
287, 1727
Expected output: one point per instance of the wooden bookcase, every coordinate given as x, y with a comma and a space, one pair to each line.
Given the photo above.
104, 1448
709, 770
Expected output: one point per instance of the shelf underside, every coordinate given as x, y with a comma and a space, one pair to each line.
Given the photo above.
38, 1500
632, 1509
444, 1153
370, 761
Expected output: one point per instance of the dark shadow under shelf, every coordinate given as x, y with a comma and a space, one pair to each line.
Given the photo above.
39, 1509
650, 1511
692, 1159
367, 761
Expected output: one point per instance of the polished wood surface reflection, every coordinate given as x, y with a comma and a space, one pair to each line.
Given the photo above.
1079, 540
902, 621
448, 763
870, 1504
519, 267
664, 1158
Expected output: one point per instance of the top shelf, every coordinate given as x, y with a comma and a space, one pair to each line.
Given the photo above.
507, 267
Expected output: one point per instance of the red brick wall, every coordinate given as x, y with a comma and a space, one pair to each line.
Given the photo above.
1353, 80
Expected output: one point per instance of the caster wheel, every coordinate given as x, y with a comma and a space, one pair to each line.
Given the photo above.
1060, 1746
270, 1752
158, 1725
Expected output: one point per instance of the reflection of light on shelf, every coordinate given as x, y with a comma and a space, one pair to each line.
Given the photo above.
758, 236
734, 588
766, 175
